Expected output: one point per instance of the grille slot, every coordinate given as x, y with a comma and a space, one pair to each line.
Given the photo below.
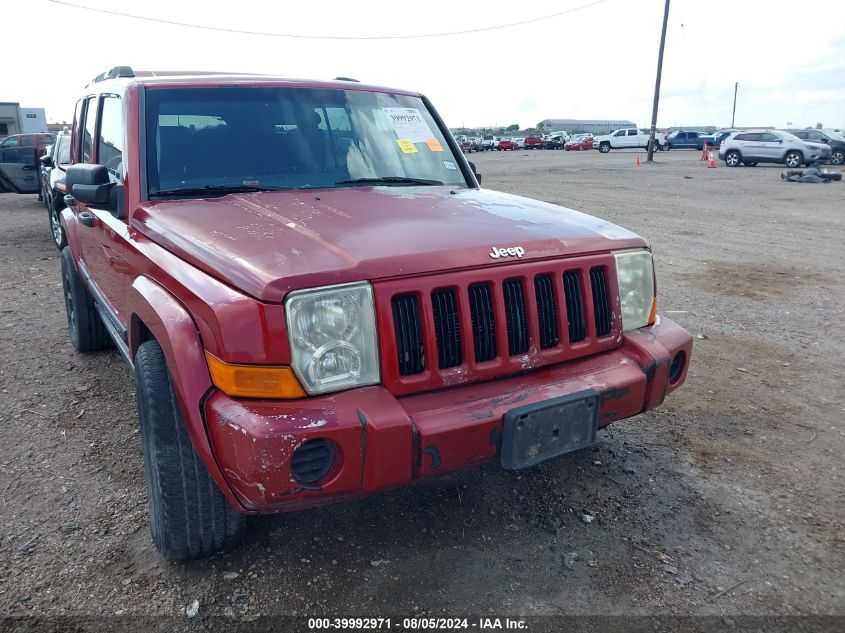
601, 306
515, 316
446, 328
483, 322
312, 460
574, 305
409, 342
546, 311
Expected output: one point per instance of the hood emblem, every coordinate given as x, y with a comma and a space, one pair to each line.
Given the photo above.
512, 251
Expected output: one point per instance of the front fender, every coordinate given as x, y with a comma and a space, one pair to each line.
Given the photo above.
174, 329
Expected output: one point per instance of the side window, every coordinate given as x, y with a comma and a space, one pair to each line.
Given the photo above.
88, 130
620, 133
632, 132
76, 131
741, 137
768, 138
815, 136
110, 141
801, 134
28, 140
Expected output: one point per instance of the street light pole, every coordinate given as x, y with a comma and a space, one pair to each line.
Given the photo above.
657, 86
733, 116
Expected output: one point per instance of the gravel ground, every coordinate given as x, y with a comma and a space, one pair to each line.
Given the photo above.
727, 500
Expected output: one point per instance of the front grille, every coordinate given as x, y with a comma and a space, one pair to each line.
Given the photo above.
483, 323
559, 319
446, 328
515, 317
312, 460
546, 310
574, 306
598, 281
409, 341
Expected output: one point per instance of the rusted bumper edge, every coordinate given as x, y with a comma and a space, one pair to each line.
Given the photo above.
382, 442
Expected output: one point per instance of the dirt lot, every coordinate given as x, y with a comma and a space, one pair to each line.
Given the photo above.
727, 500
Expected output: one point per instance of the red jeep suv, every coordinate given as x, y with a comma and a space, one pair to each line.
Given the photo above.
318, 301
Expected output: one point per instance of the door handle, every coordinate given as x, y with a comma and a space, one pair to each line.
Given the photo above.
87, 218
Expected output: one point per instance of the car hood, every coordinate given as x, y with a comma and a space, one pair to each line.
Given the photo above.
269, 243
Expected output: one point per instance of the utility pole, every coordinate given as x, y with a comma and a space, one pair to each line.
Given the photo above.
733, 116
657, 86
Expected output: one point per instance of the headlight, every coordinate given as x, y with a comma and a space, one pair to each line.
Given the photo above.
635, 276
332, 333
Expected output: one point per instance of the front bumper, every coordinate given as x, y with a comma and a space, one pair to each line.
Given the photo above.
383, 442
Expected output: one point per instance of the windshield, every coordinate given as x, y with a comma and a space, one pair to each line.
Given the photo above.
281, 137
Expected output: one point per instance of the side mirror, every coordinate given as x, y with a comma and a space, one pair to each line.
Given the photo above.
89, 184
475, 172
46, 161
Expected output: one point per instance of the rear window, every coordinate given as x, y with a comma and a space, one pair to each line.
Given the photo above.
281, 137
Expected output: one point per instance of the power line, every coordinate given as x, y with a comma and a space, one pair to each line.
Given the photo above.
329, 37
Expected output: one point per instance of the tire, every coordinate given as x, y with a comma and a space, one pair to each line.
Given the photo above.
57, 231
87, 332
604, 148
733, 158
189, 516
793, 159
837, 157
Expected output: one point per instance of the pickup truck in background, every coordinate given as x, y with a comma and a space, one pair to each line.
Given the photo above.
534, 141
628, 138
685, 140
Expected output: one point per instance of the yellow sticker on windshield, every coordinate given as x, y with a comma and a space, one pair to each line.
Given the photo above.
407, 146
434, 145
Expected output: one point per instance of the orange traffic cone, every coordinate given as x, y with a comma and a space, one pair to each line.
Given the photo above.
704, 152
712, 164
638, 161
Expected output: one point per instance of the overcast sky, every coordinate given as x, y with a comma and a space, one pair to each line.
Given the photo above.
598, 61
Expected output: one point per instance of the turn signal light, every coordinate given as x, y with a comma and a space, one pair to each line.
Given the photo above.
253, 381
652, 317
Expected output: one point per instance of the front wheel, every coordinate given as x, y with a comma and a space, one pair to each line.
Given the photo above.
56, 229
837, 157
189, 516
604, 148
733, 159
793, 159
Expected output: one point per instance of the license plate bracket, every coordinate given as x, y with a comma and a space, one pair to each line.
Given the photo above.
538, 432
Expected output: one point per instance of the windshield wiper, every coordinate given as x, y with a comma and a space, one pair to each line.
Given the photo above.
224, 189
389, 180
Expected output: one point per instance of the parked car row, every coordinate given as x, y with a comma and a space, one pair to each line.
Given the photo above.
53, 167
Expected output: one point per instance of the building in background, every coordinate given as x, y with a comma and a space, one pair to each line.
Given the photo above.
593, 126
17, 120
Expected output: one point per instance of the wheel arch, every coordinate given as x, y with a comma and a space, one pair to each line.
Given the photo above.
156, 314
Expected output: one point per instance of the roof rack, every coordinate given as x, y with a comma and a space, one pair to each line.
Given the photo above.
346, 79
117, 71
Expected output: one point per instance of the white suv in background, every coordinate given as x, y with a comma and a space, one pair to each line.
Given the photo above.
770, 146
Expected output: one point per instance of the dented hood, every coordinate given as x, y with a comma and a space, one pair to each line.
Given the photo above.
268, 243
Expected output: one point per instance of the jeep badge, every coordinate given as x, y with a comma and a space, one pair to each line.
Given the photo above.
513, 251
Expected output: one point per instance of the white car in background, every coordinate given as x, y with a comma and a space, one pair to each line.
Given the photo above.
563, 133
520, 141
750, 147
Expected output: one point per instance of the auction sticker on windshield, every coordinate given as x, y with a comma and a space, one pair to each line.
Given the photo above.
409, 124
407, 146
